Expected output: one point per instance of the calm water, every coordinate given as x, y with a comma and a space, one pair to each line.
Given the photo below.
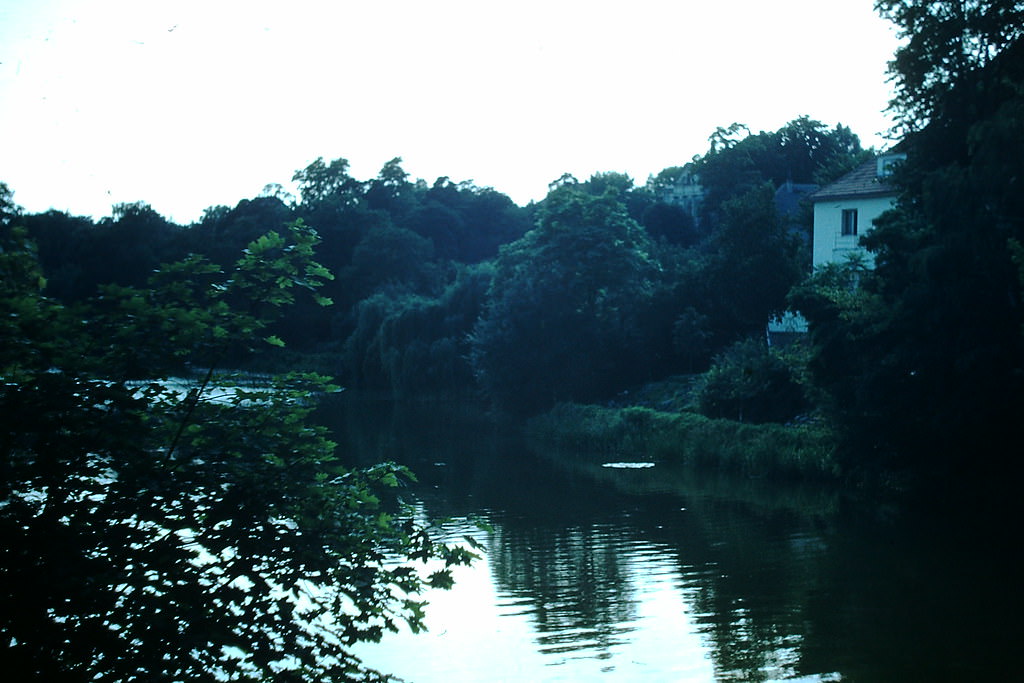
608, 574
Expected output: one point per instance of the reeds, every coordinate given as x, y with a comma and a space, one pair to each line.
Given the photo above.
683, 438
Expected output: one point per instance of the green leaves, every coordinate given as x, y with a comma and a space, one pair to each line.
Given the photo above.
274, 265
942, 44
323, 183
178, 527
196, 312
564, 320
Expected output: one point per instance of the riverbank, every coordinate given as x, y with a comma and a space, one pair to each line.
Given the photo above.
637, 434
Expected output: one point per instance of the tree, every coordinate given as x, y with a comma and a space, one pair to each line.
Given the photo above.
943, 44
127, 246
636, 199
807, 149
277, 191
409, 344
62, 241
170, 530
467, 223
490, 219
222, 232
563, 320
390, 255
749, 382
671, 223
321, 183
391, 190
8, 209
442, 225
802, 151
751, 267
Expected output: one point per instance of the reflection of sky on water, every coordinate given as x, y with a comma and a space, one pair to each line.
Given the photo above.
488, 629
480, 634
661, 574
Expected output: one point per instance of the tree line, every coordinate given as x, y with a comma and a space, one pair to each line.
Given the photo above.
448, 287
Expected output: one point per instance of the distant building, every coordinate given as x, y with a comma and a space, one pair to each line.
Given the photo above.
846, 210
684, 191
789, 198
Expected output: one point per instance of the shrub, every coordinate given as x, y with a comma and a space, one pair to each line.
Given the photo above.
748, 382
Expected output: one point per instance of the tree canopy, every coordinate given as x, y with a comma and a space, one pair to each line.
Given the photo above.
944, 43
562, 320
802, 151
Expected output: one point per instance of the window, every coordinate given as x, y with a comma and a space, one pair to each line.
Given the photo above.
885, 165
849, 222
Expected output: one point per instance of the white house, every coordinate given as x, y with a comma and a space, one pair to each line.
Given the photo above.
843, 212
846, 210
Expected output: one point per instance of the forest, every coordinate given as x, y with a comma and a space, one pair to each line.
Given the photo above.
406, 288
447, 288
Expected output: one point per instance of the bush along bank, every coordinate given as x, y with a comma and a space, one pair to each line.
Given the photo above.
590, 432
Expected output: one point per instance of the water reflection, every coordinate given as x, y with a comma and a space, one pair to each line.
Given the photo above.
576, 606
575, 585
598, 573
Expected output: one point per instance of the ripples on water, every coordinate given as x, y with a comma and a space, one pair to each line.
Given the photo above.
590, 602
627, 574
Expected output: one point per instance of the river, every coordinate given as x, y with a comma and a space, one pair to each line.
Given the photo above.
606, 572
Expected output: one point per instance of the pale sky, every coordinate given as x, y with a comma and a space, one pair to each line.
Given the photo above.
193, 103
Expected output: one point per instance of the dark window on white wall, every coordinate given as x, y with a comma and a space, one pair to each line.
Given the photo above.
849, 222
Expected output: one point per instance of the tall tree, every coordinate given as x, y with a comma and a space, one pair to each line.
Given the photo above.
802, 151
563, 319
321, 182
751, 266
391, 190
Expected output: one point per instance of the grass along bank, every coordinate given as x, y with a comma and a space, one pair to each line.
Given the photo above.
597, 433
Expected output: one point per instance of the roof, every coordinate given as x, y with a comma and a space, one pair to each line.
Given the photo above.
789, 195
861, 182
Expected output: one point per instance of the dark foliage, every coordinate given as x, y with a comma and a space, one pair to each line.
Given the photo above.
802, 151
748, 382
563, 320
614, 286
183, 530
926, 357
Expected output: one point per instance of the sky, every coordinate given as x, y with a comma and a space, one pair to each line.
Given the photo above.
189, 104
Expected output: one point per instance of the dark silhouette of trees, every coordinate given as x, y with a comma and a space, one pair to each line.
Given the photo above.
614, 285
925, 358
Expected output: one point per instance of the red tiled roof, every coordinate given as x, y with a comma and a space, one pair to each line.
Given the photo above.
862, 181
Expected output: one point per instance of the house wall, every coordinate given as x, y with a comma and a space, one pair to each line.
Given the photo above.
829, 243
